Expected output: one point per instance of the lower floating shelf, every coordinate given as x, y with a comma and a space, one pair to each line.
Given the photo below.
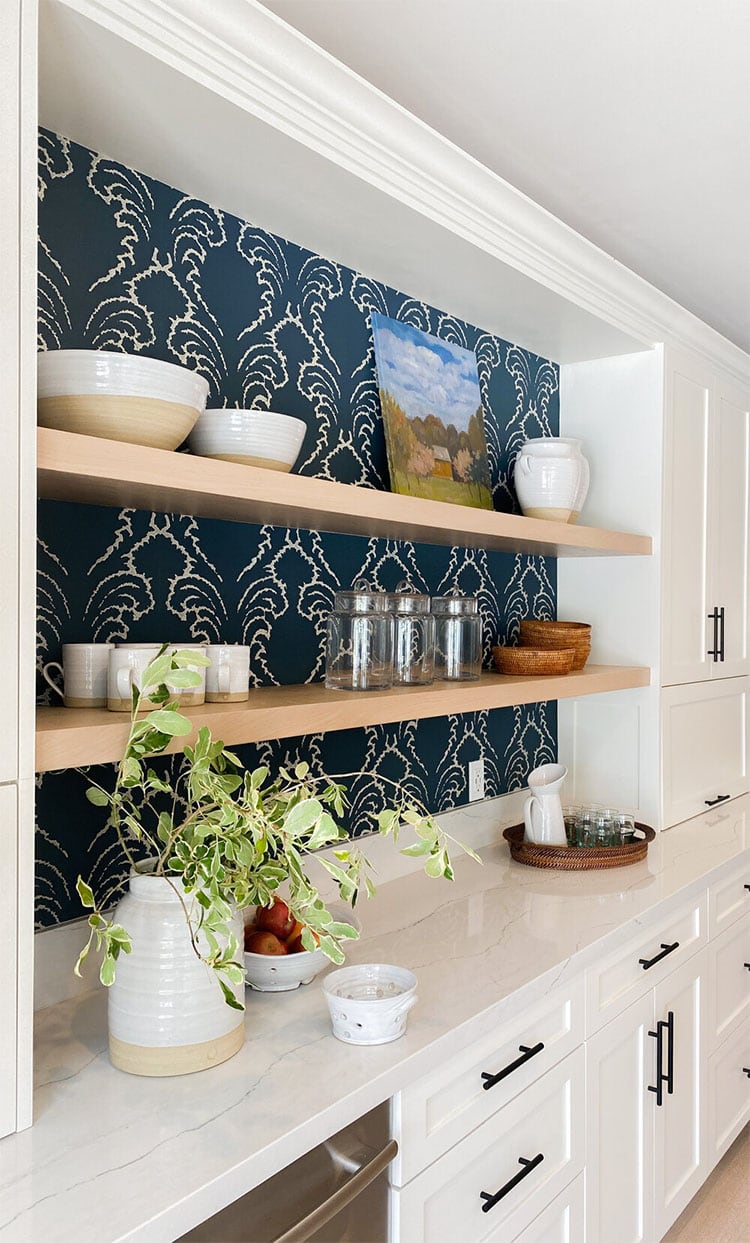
72, 737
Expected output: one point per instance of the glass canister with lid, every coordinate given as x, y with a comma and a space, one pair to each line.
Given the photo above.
458, 638
359, 641
413, 637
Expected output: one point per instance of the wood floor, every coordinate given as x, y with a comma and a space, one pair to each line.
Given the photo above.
720, 1213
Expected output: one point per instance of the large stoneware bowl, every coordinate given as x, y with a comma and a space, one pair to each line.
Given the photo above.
251, 437
143, 401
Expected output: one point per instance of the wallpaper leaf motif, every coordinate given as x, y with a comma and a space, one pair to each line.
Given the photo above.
271, 325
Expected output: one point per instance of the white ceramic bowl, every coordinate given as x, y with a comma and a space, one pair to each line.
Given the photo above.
118, 396
252, 437
279, 973
370, 1003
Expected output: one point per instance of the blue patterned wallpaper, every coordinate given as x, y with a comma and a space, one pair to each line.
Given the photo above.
129, 264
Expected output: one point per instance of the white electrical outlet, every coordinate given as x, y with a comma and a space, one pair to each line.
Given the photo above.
476, 780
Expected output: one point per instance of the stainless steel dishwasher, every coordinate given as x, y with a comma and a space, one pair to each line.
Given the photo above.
337, 1193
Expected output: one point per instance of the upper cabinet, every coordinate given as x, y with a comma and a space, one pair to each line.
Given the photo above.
706, 546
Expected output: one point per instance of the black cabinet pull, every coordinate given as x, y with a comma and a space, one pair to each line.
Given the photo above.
747, 966
660, 1076
713, 652
721, 633
748, 888
721, 798
670, 1052
528, 1164
665, 949
746, 1071
526, 1056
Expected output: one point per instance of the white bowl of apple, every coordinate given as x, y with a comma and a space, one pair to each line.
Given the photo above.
275, 959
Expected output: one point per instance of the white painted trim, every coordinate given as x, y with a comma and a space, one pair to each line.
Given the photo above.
244, 54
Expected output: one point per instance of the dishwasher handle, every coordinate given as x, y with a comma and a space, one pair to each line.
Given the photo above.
315, 1220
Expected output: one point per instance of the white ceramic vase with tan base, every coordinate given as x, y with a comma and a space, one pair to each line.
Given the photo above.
167, 1013
551, 478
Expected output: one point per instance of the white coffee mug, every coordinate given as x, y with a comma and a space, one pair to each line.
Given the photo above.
190, 696
84, 674
126, 665
228, 675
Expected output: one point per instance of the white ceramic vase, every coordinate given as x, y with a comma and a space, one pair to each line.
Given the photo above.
167, 1013
552, 478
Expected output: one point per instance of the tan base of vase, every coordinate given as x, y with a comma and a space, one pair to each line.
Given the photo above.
184, 1059
190, 699
136, 420
227, 697
551, 514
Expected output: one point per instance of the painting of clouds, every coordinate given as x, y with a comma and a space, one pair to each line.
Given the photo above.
432, 412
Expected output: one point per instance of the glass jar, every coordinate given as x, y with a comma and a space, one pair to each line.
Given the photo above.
359, 642
413, 637
458, 638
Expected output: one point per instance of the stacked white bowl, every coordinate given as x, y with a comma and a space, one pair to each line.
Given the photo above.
118, 396
251, 437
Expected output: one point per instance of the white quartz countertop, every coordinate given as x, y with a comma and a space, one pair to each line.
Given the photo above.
116, 1157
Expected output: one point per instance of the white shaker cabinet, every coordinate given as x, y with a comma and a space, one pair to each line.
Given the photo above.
706, 490
705, 750
680, 1109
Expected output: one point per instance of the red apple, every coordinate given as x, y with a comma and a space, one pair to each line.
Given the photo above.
264, 943
275, 918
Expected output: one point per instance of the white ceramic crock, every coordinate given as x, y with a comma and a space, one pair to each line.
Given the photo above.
552, 478
167, 1013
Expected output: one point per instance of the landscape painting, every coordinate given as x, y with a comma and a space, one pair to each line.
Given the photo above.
432, 413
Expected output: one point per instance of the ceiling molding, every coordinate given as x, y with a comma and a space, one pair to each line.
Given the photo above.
246, 55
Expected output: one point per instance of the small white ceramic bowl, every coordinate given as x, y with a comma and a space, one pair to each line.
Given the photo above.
369, 1003
279, 973
251, 437
118, 396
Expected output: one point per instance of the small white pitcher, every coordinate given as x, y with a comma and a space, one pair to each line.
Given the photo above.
542, 813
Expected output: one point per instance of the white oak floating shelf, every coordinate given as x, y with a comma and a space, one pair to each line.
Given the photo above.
70, 737
106, 472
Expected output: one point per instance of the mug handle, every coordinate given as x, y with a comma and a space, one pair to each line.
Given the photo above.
53, 664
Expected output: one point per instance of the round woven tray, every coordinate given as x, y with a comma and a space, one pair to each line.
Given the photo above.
577, 858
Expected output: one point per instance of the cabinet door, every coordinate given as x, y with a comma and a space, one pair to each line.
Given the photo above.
619, 1128
728, 529
728, 981
704, 746
728, 1093
680, 1121
8, 959
686, 497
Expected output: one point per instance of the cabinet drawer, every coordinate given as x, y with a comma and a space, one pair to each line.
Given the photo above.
729, 899
705, 745
728, 1092
444, 1203
561, 1221
624, 975
728, 981
436, 1112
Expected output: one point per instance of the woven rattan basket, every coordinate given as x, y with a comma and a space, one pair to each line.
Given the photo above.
577, 858
555, 635
531, 660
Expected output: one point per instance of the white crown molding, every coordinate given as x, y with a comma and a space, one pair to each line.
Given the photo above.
248, 56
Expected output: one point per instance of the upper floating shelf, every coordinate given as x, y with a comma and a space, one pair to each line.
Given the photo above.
105, 472
70, 737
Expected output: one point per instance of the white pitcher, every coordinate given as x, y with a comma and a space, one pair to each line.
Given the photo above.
542, 813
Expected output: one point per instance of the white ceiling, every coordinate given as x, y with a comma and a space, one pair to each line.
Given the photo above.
627, 119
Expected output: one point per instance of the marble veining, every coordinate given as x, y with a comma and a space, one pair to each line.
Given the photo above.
113, 1157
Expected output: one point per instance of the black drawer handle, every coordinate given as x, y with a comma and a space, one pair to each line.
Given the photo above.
747, 966
746, 1071
748, 888
528, 1164
721, 798
665, 949
526, 1056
